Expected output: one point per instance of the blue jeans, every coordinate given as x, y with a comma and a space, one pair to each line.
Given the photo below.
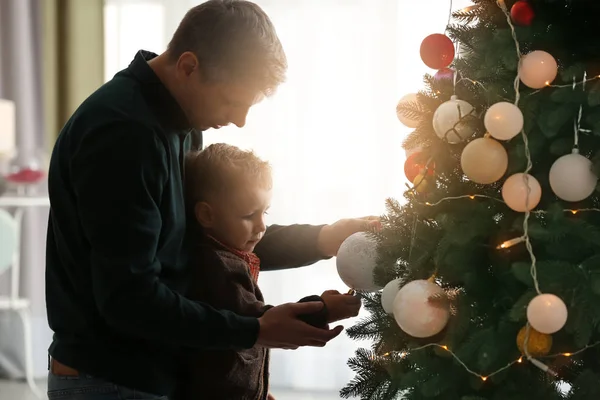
85, 387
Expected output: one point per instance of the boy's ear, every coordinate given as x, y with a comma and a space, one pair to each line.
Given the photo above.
204, 214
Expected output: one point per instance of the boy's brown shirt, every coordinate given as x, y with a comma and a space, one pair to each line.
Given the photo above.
223, 280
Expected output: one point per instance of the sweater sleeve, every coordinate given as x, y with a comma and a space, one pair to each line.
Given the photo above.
291, 246
118, 174
225, 283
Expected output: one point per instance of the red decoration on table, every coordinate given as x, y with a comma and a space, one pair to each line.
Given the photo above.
443, 74
522, 13
415, 164
26, 175
437, 51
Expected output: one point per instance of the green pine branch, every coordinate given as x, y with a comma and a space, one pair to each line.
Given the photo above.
469, 16
373, 380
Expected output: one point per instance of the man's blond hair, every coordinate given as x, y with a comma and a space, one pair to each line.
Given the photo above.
219, 168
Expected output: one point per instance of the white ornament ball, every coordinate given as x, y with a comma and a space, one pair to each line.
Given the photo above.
571, 177
415, 314
356, 261
484, 161
514, 192
503, 120
389, 295
409, 98
538, 69
446, 120
547, 313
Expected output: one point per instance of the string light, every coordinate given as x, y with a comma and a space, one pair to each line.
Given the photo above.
484, 378
472, 82
455, 73
533, 269
511, 243
577, 122
548, 85
528, 357
583, 82
449, 17
589, 346
474, 196
466, 196
412, 239
535, 362
529, 166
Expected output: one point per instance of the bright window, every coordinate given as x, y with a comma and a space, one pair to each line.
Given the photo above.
330, 132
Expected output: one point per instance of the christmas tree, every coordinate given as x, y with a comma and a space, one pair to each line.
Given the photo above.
491, 267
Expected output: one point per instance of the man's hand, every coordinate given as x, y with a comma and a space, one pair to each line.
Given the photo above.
280, 327
332, 236
340, 306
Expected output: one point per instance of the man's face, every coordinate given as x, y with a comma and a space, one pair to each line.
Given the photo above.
212, 105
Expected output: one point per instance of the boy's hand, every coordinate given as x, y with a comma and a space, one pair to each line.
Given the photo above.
340, 306
332, 236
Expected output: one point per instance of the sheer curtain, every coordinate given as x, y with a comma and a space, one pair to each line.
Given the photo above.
330, 131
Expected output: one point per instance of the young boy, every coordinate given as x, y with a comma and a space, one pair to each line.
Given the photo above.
228, 192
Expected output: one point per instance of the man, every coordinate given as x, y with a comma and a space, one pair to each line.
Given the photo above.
116, 253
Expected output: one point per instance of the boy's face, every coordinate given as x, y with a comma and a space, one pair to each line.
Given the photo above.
238, 219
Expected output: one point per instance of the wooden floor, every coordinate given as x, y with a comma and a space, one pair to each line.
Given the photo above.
11, 390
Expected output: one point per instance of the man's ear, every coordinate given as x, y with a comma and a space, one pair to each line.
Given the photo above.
187, 63
204, 214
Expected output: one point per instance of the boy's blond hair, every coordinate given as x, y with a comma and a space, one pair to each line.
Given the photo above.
219, 168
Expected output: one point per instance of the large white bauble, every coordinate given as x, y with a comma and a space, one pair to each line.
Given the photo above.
547, 313
538, 69
409, 98
514, 192
356, 261
446, 120
415, 314
484, 161
503, 120
571, 177
389, 295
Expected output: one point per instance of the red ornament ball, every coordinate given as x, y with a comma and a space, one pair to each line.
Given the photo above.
522, 13
437, 51
415, 164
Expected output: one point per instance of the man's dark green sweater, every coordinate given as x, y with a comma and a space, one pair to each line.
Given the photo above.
116, 250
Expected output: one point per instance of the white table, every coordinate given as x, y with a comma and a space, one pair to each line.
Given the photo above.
18, 205
8, 201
